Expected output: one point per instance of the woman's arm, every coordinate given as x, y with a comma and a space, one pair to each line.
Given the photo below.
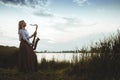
32, 35
24, 37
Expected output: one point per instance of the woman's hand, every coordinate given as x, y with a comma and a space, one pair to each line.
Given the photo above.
34, 34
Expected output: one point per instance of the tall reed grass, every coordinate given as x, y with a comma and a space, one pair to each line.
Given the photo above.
100, 62
104, 62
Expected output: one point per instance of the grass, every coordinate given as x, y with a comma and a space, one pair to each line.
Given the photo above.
13, 74
103, 63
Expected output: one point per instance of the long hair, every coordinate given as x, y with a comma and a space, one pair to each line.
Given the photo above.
20, 25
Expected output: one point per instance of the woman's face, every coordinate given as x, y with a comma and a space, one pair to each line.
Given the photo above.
24, 24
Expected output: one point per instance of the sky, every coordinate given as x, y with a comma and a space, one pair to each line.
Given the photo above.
62, 24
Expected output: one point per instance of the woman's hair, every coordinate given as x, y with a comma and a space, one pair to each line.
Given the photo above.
20, 25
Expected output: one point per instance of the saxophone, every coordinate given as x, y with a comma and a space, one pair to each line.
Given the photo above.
35, 39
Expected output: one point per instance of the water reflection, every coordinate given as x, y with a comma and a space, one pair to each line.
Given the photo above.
58, 56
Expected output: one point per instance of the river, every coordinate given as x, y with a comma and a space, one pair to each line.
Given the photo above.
58, 56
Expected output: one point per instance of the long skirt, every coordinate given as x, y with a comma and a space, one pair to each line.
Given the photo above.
27, 59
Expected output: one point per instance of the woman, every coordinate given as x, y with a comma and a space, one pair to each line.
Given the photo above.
27, 59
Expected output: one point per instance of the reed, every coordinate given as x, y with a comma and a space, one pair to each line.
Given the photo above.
99, 62
104, 61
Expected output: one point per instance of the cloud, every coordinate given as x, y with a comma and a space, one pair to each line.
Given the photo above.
65, 23
38, 7
64, 29
72, 21
43, 13
29, 3
1, 34
101, 10
81, 2
61, 23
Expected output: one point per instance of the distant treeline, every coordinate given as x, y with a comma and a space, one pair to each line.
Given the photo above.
103, 63
65, 51
100, 62
70, 51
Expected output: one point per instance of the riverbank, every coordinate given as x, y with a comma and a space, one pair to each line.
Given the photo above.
102, 64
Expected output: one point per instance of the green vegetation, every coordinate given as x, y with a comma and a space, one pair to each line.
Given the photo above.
100, 62
103, 61
8, 56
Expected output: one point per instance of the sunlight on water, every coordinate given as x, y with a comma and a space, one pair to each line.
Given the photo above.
57, 56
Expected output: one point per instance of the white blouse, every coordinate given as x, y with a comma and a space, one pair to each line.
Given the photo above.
23, 34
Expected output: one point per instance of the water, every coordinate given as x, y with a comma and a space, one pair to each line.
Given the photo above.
58, 56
